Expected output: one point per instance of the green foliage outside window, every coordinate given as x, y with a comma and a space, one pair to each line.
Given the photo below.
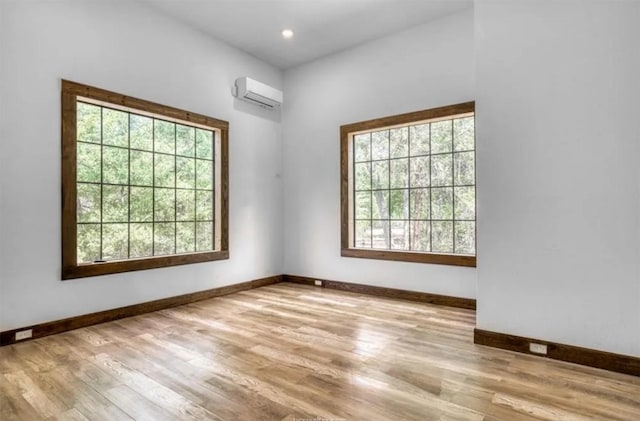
144, 186
414, 187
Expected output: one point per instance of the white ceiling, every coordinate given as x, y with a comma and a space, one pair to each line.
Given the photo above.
321, 26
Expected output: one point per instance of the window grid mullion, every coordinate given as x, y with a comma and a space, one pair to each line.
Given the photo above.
354, 228
195, 193
175, 187
395, 188
409, 186
453, 193
101, 179
159, 153
371, 187
389, 190
430, 195
129, 188
153, 188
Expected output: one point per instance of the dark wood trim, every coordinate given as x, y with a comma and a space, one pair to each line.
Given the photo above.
345, 222
224, 190
68, 175
407, 256
345, 133
131, 265
70, 268
79, 89
585, 356
422, 297
412, 117
45, 329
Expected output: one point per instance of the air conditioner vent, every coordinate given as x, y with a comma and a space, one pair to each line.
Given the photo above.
257, 93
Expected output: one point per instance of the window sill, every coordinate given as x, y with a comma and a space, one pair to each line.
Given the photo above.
120, 266
410, 256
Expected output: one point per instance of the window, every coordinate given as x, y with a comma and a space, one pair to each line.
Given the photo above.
408, 187
143, 185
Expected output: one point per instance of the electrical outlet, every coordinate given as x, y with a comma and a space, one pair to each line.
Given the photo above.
24, 334
317, 283
538, 348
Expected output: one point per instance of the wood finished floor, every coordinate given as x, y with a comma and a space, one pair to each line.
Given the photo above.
291, 351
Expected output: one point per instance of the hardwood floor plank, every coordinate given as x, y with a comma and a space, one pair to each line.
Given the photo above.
137, 406
45, 405
291, 351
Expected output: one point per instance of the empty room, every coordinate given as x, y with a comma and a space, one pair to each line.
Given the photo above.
319, 210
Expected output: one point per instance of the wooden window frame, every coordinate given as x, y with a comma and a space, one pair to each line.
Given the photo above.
346, 134
70, 93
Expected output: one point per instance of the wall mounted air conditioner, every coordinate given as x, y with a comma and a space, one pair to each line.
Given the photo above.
258, 93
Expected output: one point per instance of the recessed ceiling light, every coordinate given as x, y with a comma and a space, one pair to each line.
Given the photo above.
287, 33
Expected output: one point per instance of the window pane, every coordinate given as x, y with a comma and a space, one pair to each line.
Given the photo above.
164, 136
141, 132
363, 205
141, 204
465, 202
186, 173
399, 139
464, 168
164, 205
115, 241
420, 203
144, 185
115, 127
380, 204
399, 201
380, 179
87, 122
380, 234
115, 203
465, 237
419, 171
441, 170
441, 136
88, 242
442, 236
362, 147
399, 173
380, 145
363, 176
411, 184
185, 205
88, 163
115, 165
141, 240
164, 238
186, 237
88, 202
204, 236
165, 170
442, 203
204, 174
420, 235
463, 134
419, 139
204, 144
185, 140
363, 234
204, 205
400, 235
141, 168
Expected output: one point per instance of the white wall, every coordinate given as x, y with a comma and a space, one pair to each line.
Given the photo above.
558, 175
423, 67
128, 48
